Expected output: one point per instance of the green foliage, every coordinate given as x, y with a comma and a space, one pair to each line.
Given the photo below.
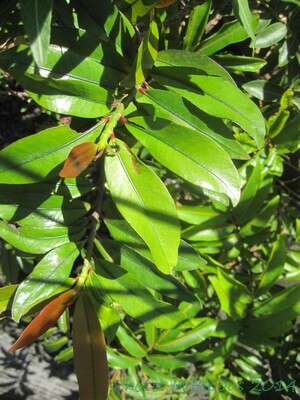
181, 236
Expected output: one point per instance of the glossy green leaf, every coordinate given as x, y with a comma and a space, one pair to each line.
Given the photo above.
262, 220
118, 360
6, 294
83, 91
274, 267
32, 209
135, 189
270, 35
135, 299
285, 300
243, 13
207, 328
217, 97
180, 150
167, 105
64, 355
288, 139
120, 230
175, 63
208, 232
170, 361
50, 276
241, 63
143, 270
263, 90
233, 295
33, 241
249, 191
37, 16
54, 345
37, 156
146, 55
196, 25
230, 32
130, 343
89, 352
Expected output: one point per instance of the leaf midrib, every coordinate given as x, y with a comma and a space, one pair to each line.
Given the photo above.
153, 228
185, 155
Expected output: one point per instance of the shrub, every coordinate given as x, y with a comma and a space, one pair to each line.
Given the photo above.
160, 218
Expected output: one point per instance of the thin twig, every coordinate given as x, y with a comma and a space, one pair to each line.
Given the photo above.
97, 210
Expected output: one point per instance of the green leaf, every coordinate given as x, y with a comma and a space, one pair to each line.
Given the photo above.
208, 327
122, 361
262, 220
120, 230
136, 300
36, 16
263, 90
6, 293
146, 55
233, 295
270, 35
34, 241
240, 63
50, 276
285, 300
230, 32
243, 13
135, 189
274, 266
288, 139
249, 191
143, 270
37, 156
196, 25
31, 209
89, 352
64, 355
69, 83
208, 232
180, 150
217, 97
130, 343
168, 105
170, 361
175, 62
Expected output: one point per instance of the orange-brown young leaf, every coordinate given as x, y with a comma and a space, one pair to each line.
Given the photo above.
165, 3
78, 160
46, 318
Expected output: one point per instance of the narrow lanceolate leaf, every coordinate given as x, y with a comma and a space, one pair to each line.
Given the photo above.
231, 32
46, 318
36, 16
233, 295
89, 352
275, 265
135, 189
175, 108
6, 293
243, 13
217, 97
47, 278
78, 160
182, 151
146, 55
196, 25
35, 157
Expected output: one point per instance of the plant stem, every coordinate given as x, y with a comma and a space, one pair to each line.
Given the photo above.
97, 210
109, 127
